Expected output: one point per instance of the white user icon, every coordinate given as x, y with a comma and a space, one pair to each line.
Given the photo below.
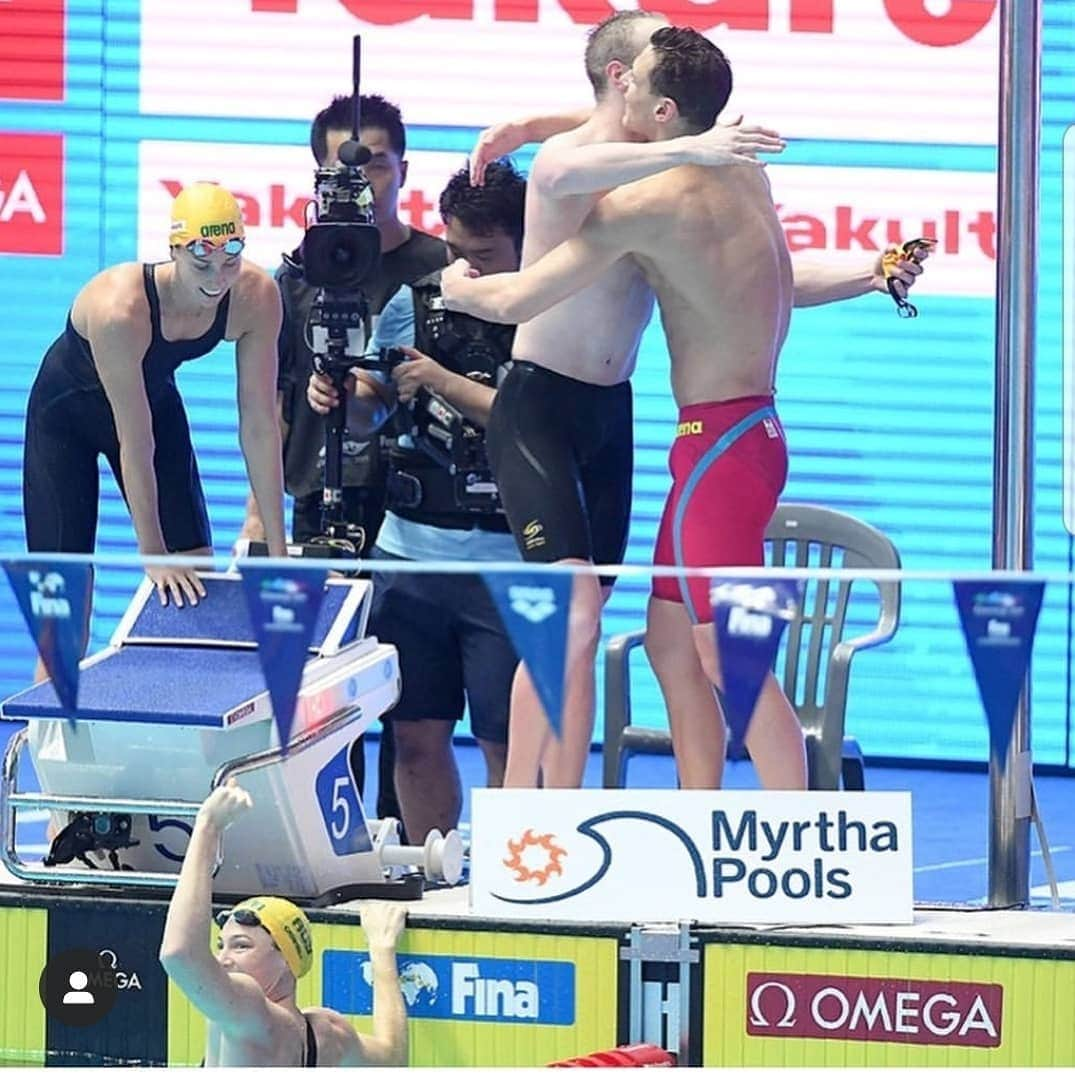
78, 994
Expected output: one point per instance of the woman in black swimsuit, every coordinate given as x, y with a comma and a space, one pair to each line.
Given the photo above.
107, 386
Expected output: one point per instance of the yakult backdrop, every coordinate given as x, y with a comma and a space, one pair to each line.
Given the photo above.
890, 106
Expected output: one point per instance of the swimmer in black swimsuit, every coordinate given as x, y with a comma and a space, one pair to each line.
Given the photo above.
107, 387
246, 990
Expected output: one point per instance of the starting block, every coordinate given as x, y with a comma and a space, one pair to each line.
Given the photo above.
177, 704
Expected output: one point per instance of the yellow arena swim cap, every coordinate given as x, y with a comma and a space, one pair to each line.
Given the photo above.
286, 924
205, 211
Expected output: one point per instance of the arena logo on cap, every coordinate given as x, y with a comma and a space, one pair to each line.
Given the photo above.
31, 193
874, 1009
213, 231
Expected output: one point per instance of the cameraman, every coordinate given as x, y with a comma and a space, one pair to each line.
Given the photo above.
406, 255
452, 645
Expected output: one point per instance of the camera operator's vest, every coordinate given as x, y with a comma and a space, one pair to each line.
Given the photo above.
477, 350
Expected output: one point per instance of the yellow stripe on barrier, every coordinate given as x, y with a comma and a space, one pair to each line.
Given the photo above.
23, 950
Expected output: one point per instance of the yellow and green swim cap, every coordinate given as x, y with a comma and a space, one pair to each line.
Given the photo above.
286, 924
206, 212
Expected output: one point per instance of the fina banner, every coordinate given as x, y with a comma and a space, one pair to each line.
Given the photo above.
749, 617
283, 605
999, 620
715, 857
533, 608
54, 599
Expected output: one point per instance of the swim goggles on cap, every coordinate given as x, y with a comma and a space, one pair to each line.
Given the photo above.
202, 248
916, 250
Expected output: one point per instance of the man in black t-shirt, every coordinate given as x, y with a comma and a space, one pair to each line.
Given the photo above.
406, 256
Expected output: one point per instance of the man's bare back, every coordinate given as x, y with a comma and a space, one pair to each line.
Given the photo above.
720, 267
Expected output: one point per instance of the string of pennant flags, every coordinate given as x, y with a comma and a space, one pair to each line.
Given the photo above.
998, 615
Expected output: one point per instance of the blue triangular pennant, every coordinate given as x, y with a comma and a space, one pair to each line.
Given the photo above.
283, 604
534, 609
749, 617
999, 620
54, 599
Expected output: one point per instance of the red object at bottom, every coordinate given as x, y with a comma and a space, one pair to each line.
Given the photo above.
624, 1056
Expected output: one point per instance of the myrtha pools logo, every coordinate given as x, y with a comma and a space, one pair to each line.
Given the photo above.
537, 867
745, 855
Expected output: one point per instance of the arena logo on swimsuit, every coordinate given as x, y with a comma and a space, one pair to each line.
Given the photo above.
961, 21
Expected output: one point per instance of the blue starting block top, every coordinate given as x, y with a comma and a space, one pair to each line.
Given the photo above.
154, 684
196, 665
221, 618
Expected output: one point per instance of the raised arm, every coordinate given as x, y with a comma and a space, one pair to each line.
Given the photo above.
616, 226
233, 1001
387, 1046
259, 417
504, 138
562, 170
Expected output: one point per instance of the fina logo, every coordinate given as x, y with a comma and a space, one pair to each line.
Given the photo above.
540, 867
47, 596
746, 624
281, 585
462, 989
997, 603
533, 603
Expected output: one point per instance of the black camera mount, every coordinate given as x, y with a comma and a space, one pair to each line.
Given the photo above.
340, 251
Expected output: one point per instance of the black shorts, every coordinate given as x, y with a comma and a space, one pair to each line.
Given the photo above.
65, 433
562, 451
452, 648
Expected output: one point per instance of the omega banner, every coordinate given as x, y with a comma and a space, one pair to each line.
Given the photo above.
919, 1002
727, 857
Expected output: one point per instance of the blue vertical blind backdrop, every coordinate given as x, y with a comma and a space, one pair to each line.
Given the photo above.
889, 420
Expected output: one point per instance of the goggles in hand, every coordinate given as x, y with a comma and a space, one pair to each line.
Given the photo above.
916, 250
202, 248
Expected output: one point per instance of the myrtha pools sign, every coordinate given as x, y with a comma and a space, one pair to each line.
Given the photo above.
714, 857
